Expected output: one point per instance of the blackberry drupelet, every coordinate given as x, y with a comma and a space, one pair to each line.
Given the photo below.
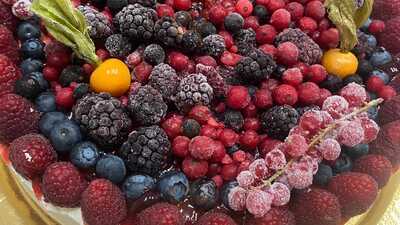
165, 80
154, 54
146, 150
277, 121
233, 119
103, 118
214, 45
310, 52
191, 41
118, 46
136, 21
193, 90
145, 3
168, 32
256, 67
147, 106
183, 18
98, 24
245, 40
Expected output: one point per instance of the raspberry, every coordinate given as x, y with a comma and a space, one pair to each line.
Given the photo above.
280, 19
287, 53
259, 169
375, 84
177, 60
180, 146
269, 49
371, 129
316, 73
142, 72
228, 137
274, 5
293, 77
295, 145
265, 34
281, 194
8, 45
249, 140
263, 99
296, 10
351, 133
200, 113
103, 203
330, 149
219, 151
336, 106
385, 10
329, 38
315, 9
268, 145
354, 93
308, 25
387, 92
244, 7
388, 142
170, 215
237, 198
275, 159
21, 9
356, 192
9, 74
201, 147
239, 156
6, 17
323, 94
285, 95
377, 166
212, 218
311, 121
251, 124
217, 14
238, 97
194, 168
251, 22
316, 206
62, 184
275, 216
308, 93
245, 179
299, 176
376, 26
258, 202
172, 125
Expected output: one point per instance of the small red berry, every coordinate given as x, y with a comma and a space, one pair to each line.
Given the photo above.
51, 73
296, 10
229, 172
269, 49
288, 53
239, 156
229, 42
102, 54
173, 126
251, 124
262, 2
244, 7
194, 168
218, 180
269, 84
315, 9
164, 10
178, 60
228, 137
201, 147
268, 145
329, 38
251, 22
182, 4
219, 151
324, 24
229, 58
88, 68
64, 97
308, 25
200, 113
227, 160
285, 94
274, 5
238, 97
316, 73
58, 59
180, 146
375, 83
263, 99
303, 67
142, 72
292, 77
376, 26
250, 111
308, 93
323, 94
387, 92
280, 19
217, 14
265, 34
249, 139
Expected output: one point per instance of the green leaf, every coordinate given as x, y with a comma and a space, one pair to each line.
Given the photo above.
362, 14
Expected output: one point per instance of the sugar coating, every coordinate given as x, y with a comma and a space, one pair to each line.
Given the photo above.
371, 129
245, 178
299, 176
237, 198
330, 149
258, 168
258, 202
312, 121
281, 194
354, 93
335, 105
351, 133
275, 159
295, 145
310, 162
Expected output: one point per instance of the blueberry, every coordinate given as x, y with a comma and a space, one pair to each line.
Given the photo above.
112, 168
173, 186
191, 128
46, 102
207, 29
49, 120
204, 194
342, 164
233, 22
324, 175
183, 18
384, 76
27, 87
27, 31
261, 12
364, 68
30, 65
371, 41
357, 151
32, 48
365, 26
65, 135
380, 57
373, 111
225, 190
372, 95
84, 155
136, 185
38, 76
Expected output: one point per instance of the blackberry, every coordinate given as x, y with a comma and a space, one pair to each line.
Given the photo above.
191, 128
165, 80
261, 12
136, 21
203, 27
154, 54
147, 106
233, 119
193, 90
116, 5
98, 24
103, 118
146, 150
118, 46
183, 18
256, 67
332, 83
353, 78
234, 22
27, 87
145, 3
214, 78
72, 73
245, 40
302, 110
214, 45
310, 52
191, 41
168, 32
277, 121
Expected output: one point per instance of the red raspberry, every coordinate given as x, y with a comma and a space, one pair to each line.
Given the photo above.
194, 168
275, 216
172, 125
229, 42
214, 218
201, 147
238, 97
229, 172
182, 4
285, 94
103, 203
329, 38
268, 145
316, 206
200, 113
315, 9
269, 84
177, 60
263, 99
180, 146
51, 73
239, 156
249, 139
64, 97
9, 73
324, 24
142, 72
296, 10
244, 7
375, 83
288, 53
376, 26
7, 18
208, 60
265, 34
377, 166
280, 19
227, 160
269, 49
308, 93
251, 22
217, 14
292, 77
161, 214
316, 73
17, 117
274, 5
164, 10
228, 137
387, 92
62, 184
303, 67
8, 45
323, 95
219, 151
31, 154
388, 142
251, 124
230, 58
308, 25
209, 131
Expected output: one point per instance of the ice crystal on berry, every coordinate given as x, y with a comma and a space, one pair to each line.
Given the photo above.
245, 178
258, 168
237, 198
281, 194
312, 121
275, 159
335, 105
299, 175
330, 149
371, 129
258, 202
295, 145
354, 93
351, 133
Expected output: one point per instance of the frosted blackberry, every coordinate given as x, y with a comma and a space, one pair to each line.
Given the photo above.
256, 67
103, 119
183, 18
98, 24
154, 54
165, 80
234, 119
191, 41
146, 150
147, 106
245, 40
203, 27
145, 3
118, 46
168, 32
310, 52
277, 121
136, 21
193, 90
214, 45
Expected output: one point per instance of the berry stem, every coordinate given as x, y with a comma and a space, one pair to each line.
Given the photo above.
322, 134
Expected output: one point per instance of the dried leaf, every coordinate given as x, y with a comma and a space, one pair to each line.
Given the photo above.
362, 14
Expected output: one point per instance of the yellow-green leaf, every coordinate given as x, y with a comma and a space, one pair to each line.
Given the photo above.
362, 14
